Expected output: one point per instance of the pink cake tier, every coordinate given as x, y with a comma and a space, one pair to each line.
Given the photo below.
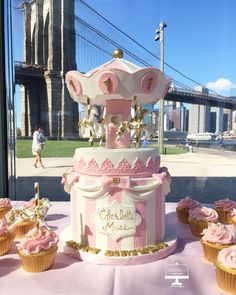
116, 212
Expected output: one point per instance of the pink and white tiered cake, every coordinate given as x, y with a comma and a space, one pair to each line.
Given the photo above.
117, 191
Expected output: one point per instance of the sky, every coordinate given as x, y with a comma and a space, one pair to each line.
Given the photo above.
199, 39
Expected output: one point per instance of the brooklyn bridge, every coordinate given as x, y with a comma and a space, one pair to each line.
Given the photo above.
50, 51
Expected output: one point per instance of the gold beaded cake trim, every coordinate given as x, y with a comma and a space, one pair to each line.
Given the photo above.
78, 246
134, 252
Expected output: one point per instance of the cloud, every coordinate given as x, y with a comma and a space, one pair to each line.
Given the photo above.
221, 85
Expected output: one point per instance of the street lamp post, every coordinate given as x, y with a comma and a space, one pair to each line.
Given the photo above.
160, 36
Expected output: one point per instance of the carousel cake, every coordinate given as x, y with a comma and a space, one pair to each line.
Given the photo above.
117, 192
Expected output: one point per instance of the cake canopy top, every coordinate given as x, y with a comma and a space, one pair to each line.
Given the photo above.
117, 79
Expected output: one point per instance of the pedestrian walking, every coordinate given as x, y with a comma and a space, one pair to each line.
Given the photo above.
38, 145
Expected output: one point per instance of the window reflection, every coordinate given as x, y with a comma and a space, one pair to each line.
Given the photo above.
48, 42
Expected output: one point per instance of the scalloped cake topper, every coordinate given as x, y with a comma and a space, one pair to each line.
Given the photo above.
118, 79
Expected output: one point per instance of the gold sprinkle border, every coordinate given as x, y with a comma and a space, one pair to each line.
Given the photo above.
117, 253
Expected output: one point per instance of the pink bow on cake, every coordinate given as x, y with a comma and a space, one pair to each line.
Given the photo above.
121, 182
162, 175
70, 176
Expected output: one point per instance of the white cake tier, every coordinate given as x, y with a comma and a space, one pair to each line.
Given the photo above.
140, 162
117, 213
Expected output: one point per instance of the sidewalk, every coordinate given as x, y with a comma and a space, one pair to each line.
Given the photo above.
203, 163
205, 175
53, 166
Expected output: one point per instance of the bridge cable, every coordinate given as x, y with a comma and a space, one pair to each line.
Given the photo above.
140, 45
98, 47
120, 46
108, 53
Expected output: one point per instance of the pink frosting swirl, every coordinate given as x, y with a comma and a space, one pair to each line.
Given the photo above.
4, 227
4, 203
188, 203
31, 204
204, 214
225, 204
219, 233
227, 257
38, 239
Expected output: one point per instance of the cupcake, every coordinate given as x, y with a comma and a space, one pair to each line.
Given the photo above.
183, 208
215, 238
30, 205
37, 250
233, 216
23, 221
7, 235
200, 218
226, 269
5, 206
224, 208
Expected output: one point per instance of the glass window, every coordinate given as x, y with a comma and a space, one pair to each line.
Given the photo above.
46, 42
7, 118
3, 135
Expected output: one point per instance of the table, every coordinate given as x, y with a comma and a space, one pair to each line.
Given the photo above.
70, 276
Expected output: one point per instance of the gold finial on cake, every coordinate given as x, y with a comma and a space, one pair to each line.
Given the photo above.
118, 53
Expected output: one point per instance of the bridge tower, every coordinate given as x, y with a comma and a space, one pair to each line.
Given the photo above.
199, 115
49, 44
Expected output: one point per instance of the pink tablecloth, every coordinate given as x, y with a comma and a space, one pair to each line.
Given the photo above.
69, 276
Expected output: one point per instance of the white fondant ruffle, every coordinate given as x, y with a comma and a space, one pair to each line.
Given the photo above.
141, 193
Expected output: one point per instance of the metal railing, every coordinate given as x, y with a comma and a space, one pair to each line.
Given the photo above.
182, 91
197, 97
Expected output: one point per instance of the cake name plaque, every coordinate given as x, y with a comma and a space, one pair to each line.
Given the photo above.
116, 220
